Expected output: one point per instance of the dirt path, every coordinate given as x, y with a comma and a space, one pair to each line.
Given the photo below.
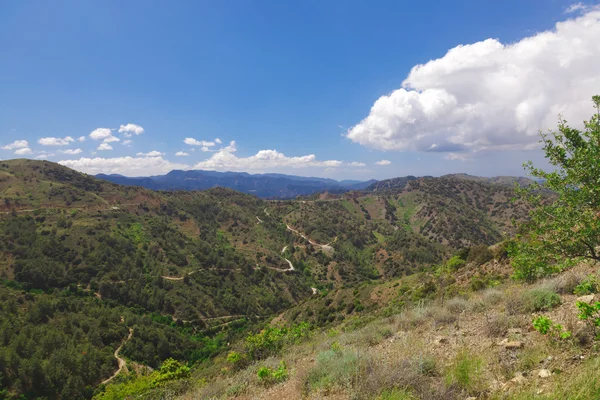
111, 208
120, 360
259, 220
291, 265
325, 247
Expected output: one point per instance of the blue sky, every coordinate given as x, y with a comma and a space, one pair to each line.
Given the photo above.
320, 88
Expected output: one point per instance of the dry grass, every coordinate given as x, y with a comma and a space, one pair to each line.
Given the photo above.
399, 357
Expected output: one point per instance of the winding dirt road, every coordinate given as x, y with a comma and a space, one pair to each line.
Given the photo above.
325, 247
120, 360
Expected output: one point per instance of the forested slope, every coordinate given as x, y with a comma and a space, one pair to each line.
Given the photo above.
82, 261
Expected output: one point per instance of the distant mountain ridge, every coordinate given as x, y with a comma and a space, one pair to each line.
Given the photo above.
271, 185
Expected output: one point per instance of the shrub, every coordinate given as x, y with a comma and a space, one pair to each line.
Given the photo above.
269, 376
479, 254
271, 339
500, 251
497, 326
545, 326
457, 305
237, 360
171, 370
492, 296
541, 299
465, 372
590, 313
455, 263
265, 343
587, 286
567, 282
333, 369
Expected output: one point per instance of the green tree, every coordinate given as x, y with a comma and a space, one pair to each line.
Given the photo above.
567, 228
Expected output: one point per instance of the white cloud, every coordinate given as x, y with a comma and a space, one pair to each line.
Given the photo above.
130, 129
357, 164
53, 141
41, 157
580, 7
225, 159
490, 96
457, 156
383, 162
218, 141
181, 154
17, 144
23, 151
152, 153
129, 166
205, 149
111, 139
104, 146
101, 133
71, 151
127, 142
81, 138
193, 142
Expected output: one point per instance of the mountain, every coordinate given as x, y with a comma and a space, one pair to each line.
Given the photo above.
500, 180
87, 265
394, 183
262, 185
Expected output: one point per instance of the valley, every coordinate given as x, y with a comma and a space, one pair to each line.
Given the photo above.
181, 275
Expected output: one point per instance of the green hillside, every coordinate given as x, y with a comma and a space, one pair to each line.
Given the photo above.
83, 262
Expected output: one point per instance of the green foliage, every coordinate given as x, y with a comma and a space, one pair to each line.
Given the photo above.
128, 388
567, 228
455, 263
272, 339
465, 372
587, 286
542, 324
136, 386
529, 260
546, 326
237, 360
170, 370
270, 376
590, 313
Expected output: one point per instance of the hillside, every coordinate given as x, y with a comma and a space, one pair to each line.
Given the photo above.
402, 340
186, 272
262, 185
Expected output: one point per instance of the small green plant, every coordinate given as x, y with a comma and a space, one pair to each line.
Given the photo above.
546, 326
588, 286
465, 372
542, 324
590, 313
237, 360
270, 376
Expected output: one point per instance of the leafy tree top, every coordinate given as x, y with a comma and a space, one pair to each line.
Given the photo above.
568, 228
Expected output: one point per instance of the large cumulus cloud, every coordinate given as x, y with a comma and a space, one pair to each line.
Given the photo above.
489, 95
